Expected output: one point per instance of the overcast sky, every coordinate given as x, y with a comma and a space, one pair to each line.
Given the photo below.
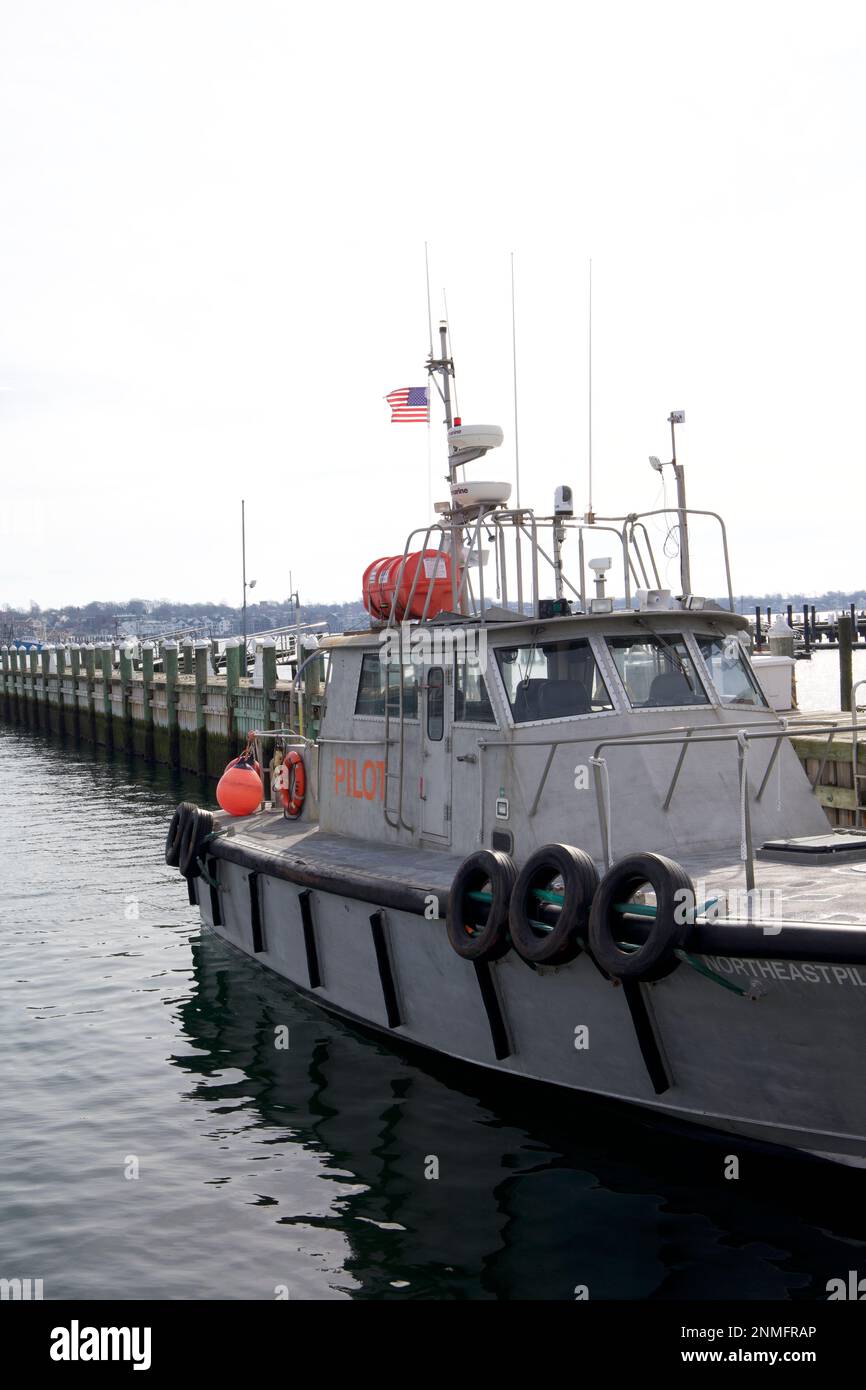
212, 227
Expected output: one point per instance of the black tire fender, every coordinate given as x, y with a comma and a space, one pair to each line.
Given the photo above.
478, 931
196, 826
580, 882
675, 905
174, 838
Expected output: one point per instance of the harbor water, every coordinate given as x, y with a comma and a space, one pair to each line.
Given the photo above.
818, 679
176, 1123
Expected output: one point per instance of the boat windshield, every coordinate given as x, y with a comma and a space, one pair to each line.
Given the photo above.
657, 671
731, 674
552, 680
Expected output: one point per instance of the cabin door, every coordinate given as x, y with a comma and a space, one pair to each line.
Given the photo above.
435, 777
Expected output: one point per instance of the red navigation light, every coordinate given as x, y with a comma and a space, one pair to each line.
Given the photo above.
457, 420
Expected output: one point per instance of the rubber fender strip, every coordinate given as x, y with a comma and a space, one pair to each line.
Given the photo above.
256, 912
386, 974
190, 888
649, 1048
379, 890
313, 971
493, 1009
216, 915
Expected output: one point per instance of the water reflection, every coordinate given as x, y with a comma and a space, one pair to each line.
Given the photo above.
537, 1193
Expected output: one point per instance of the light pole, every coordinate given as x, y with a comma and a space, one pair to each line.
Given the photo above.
678, 417
251, 584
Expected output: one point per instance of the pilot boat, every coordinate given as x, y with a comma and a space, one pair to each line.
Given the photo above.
550, 825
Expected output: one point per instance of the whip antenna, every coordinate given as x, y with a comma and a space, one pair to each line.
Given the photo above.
589, 518
451, 351
429, 310
514, 365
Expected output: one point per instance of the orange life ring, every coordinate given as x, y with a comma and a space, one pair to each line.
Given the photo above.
296, 784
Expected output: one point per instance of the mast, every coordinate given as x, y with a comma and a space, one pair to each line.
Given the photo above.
514, 366
678, 417
590, 516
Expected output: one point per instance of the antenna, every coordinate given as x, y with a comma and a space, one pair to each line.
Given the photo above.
429, 310
589, 518
450, 352
514, 362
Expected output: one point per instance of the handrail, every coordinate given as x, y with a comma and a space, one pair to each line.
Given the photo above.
556, 740
457, 533
696, 511
741, 736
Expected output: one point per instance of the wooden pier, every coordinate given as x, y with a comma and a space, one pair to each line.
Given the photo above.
184, 715
829, 758
816, 632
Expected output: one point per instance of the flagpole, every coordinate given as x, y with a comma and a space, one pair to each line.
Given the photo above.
429, 378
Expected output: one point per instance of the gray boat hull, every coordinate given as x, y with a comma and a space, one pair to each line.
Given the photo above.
782, 1068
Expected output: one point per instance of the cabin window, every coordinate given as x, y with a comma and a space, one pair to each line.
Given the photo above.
435, 704
471, 701
371, 688
657, 671
552, 680
731, 674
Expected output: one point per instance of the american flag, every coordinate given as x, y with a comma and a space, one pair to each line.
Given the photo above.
407, 404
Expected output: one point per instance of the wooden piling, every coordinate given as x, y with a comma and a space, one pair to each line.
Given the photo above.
169, 661
846, 662
147, 693
126, 697
4, 664
75, 673
88, 658
757, 627
233, 673
61, 699
202, 663
105, 658
33, 709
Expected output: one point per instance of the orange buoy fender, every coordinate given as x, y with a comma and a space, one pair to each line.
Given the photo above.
239, 790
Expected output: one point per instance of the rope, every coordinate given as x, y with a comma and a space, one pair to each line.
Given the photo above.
206, 876
710, 974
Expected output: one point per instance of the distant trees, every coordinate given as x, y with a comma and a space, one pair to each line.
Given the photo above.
102, 617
